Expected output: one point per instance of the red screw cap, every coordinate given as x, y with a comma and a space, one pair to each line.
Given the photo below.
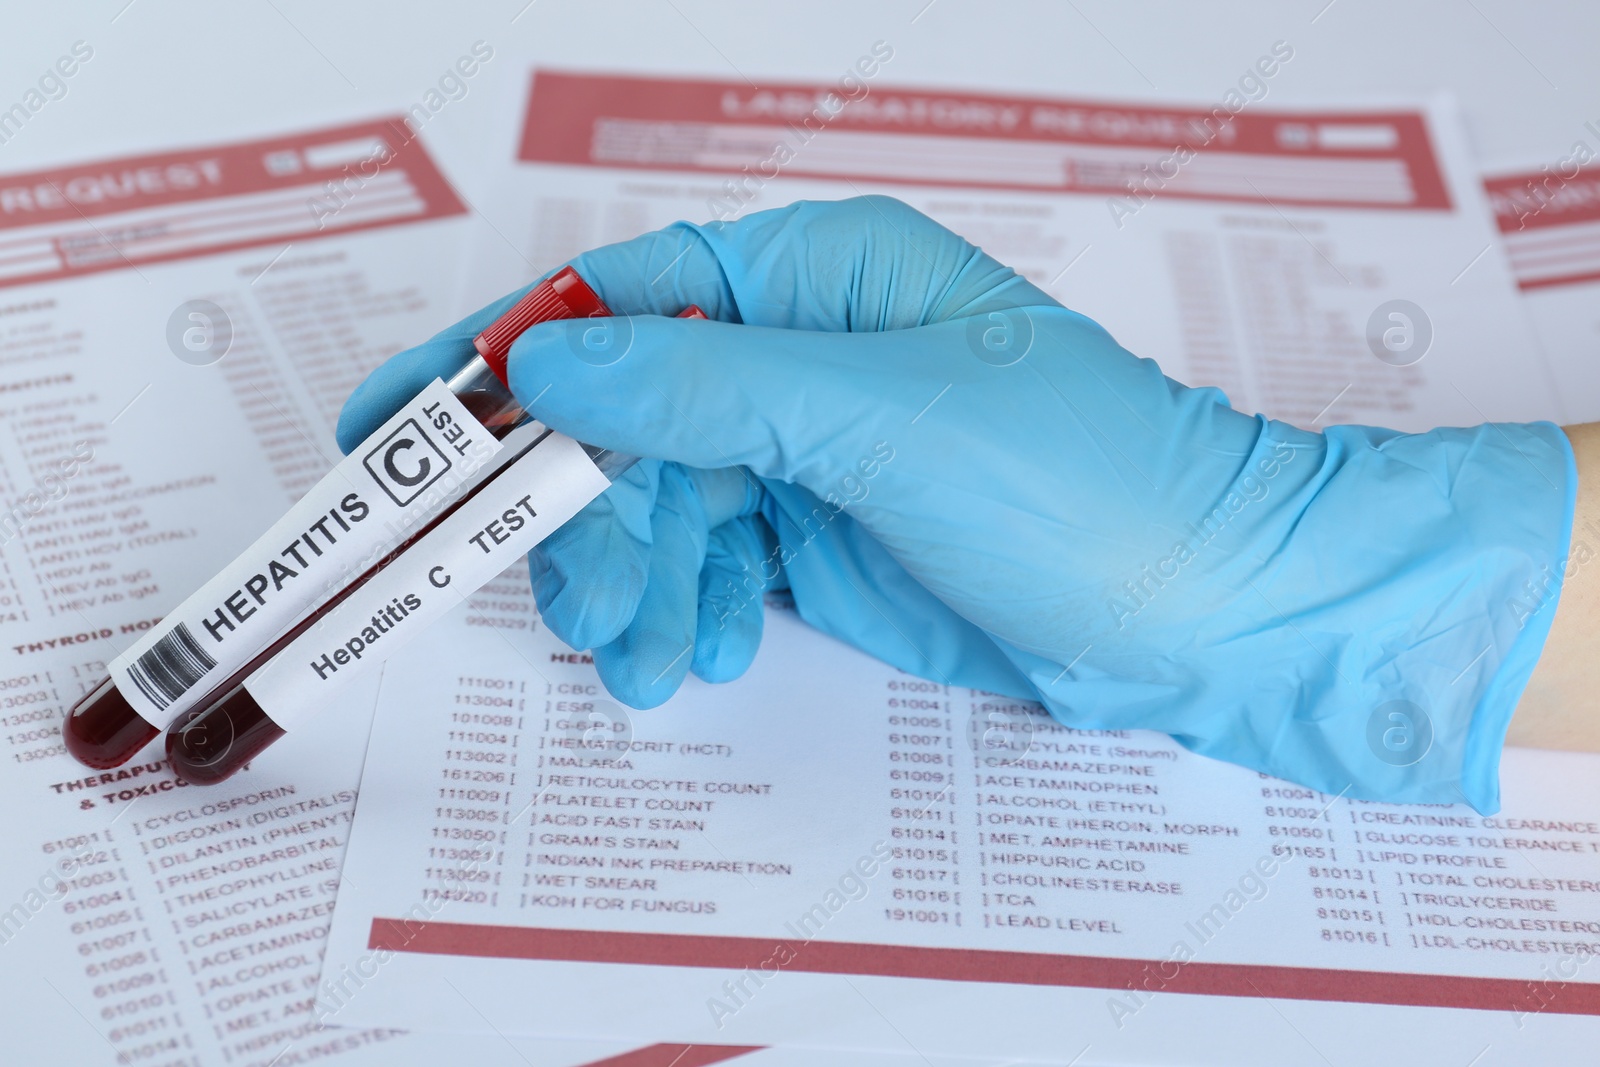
563, 295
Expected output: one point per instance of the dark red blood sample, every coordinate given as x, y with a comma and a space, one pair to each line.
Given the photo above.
208, 744
103, 730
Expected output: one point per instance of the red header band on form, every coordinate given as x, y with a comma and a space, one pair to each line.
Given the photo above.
1367, 159
117, 213
979, 965
1550, 220
675, 1056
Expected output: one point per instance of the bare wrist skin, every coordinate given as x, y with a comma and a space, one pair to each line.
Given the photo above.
1561, 706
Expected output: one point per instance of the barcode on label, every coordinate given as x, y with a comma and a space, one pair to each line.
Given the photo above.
173, 664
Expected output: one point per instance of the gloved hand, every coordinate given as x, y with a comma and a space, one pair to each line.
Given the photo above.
956, 474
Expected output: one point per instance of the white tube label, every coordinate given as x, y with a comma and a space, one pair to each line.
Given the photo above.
399, 478
526, 502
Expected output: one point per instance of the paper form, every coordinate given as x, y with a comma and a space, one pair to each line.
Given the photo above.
830, 852
1549, 220
193, 335
697, 879
1269, 265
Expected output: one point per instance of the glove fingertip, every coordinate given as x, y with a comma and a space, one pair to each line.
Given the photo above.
394, 382
726, 640
366, 409
587, 615
643, 670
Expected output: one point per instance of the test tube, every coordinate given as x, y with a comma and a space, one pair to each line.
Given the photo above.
214, 740
108, 725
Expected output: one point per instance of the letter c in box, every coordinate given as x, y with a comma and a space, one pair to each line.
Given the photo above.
406, 462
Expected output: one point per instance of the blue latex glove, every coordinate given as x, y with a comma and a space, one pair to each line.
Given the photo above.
963, 478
